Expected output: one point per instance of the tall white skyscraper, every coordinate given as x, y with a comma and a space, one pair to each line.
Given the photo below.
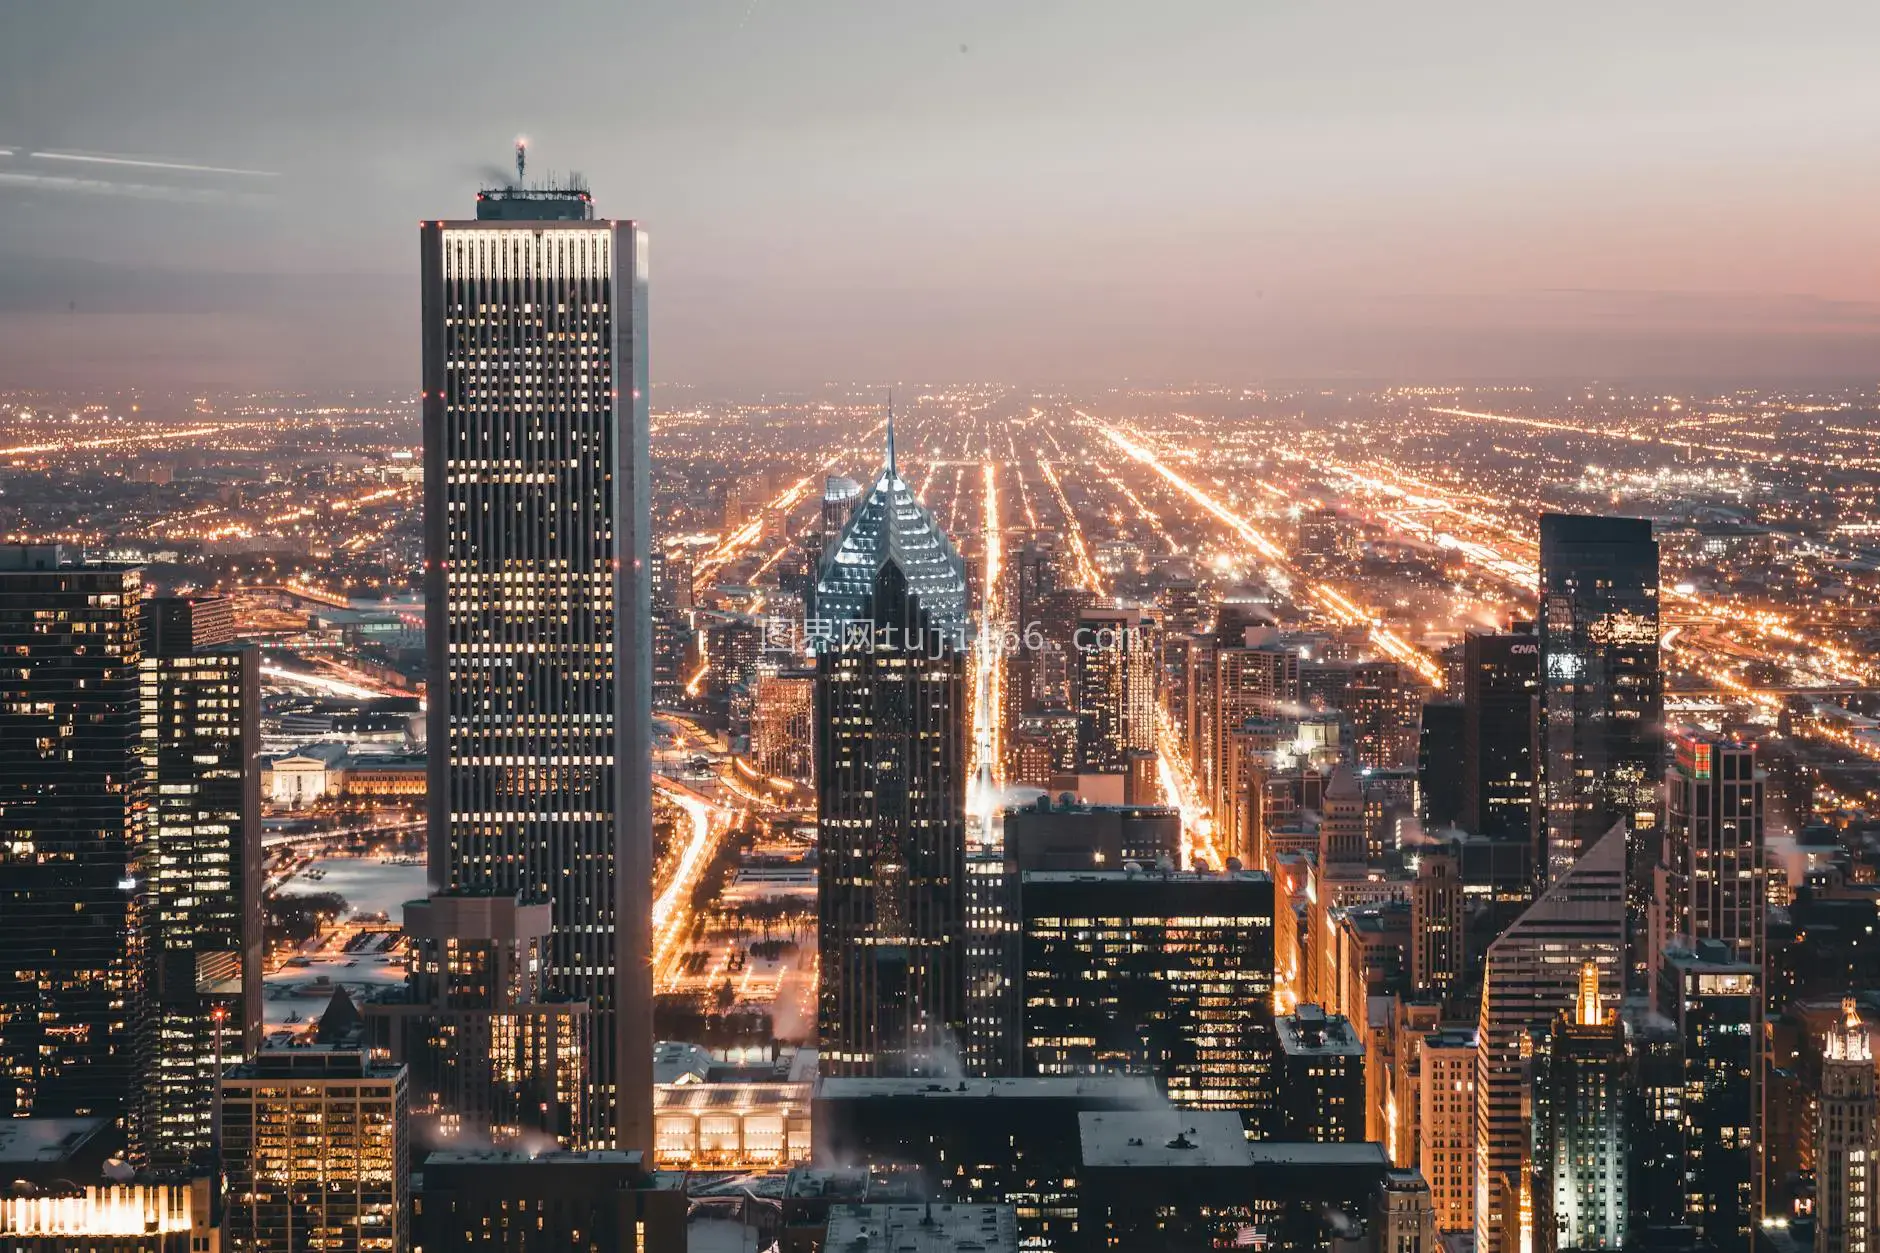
537, 599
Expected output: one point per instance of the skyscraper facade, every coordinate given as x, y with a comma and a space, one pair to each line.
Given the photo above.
1601, 703
1847, 1141
73, 879
1533, 973
1714, 861
1581, 1166
201, 743
1716, 1002
1163, 973
316, 1153
891, 773
1500, 674
537, 601
1113, 682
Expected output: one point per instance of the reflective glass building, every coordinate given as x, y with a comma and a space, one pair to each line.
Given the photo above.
891, 771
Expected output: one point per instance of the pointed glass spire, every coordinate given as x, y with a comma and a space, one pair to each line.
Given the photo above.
890, 463
890, 524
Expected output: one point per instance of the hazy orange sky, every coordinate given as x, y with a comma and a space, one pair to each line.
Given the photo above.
1022, 190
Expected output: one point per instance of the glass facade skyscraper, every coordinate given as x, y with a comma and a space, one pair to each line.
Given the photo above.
891, 771
73, 879
201, 740
537, 599
1602, 703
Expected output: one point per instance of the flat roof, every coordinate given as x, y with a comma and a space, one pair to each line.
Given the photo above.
922, 1228
1163, 1137
522, 1157
1043, 1087
1147, 877
45, 1141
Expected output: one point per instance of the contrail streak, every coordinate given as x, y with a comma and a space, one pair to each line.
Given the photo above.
140, 191
151, 165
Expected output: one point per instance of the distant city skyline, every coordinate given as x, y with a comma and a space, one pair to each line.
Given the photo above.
1037, 193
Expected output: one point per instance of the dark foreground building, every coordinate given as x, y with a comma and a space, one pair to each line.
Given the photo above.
1182, 1180
514, 1201
73, 879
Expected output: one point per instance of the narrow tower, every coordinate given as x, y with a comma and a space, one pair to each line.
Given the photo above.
890, 634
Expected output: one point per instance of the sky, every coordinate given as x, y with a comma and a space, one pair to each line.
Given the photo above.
1024, 191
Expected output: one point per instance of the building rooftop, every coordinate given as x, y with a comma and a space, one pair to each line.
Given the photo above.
1310, 1031
929, 1228
1163, 1137
1117, 1088
45, 1141
703, 1097
1147, 877
523, 1157
891, 525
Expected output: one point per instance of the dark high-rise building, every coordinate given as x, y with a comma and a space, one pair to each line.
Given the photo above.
891, 775
475, 992
1439, 763
1113, 682
1069, 835
1602, 697
1436, 925
1716, 1002
523, 1201
73, 880
1321, 1077
201, 740
1154, 972
1580, 1141
1176, 1181
986, 1141
1715, 865
538, 603
1654, 1120
1500, 678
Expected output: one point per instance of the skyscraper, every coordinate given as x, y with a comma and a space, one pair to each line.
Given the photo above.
1534, 972
1436, 924
1113, 685
1602, 696
73, 890
1716, 1002
537, 602
201, 740
316, 1152
1847, 1141
1715, 866
1163, 973
891, 774
1500, 674
1321, 1077
1581, 1167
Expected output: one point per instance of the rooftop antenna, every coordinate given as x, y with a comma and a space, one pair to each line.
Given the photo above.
891, 430
522, 158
